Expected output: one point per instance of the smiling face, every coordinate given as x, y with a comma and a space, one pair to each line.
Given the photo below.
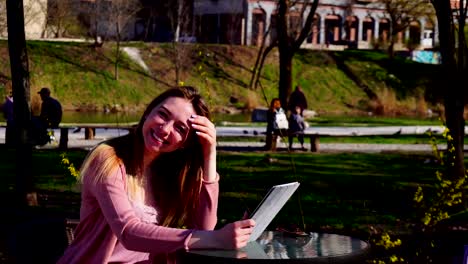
166, 128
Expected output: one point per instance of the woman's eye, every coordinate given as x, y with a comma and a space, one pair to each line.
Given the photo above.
181, 130
163, 114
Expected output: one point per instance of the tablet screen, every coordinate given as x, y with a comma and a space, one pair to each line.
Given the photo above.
269, 207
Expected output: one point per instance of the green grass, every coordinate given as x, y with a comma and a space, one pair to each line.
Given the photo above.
344, 193
370, 121
351, 189
347, 190
48, 172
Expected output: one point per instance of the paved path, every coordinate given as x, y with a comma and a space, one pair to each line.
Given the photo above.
337, 131
77, 140
332, 147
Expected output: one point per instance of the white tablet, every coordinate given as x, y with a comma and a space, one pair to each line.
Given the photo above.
269, 207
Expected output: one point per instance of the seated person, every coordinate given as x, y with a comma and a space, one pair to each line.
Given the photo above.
51, 109
296, 127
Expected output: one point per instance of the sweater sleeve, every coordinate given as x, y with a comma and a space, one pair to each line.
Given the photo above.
206, 217
133, 233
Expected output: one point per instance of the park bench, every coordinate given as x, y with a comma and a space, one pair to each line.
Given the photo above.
313, 134
89, 130
70, 226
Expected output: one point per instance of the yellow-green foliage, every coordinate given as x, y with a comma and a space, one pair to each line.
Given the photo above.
72, 174
435, 203
448, 190
389, 244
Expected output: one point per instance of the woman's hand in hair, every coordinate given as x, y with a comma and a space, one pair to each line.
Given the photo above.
206, 133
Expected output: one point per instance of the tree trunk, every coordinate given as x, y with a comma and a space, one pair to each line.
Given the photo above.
117, 52
260, 67
261, 56
285, 53
454, 106
256, 68
453, 97
289, 43
180, 9
22, 102
177, 61
285, 79
257, 71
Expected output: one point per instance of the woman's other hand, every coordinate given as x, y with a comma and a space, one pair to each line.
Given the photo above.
235, 235
232, 236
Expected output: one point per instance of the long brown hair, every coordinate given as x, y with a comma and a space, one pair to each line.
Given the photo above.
176, 176
274, 104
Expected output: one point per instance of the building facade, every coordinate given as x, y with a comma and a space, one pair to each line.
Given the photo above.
360, 24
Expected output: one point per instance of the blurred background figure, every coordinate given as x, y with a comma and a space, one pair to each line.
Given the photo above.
51, 112
7, 109
296, 127
51, 109
297, 98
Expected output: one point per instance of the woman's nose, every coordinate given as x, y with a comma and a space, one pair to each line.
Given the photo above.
166, 127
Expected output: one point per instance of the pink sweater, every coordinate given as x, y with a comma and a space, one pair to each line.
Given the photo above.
113, 229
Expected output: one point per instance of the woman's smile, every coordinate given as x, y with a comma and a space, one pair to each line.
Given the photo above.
158, 139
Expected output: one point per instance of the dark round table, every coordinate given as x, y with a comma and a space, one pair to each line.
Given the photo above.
278, 247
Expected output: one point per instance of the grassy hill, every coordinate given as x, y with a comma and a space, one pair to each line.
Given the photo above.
82, 77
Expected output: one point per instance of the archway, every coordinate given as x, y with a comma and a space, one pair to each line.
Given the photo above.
332, 29
427, 41
368, 28
273, 27
414, 34
258, 26
314, 36
352, 30
384, 30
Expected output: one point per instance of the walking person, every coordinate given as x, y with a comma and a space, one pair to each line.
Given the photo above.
297, 98
154, 191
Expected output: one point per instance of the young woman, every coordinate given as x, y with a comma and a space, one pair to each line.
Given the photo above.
273, 131
154, 191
